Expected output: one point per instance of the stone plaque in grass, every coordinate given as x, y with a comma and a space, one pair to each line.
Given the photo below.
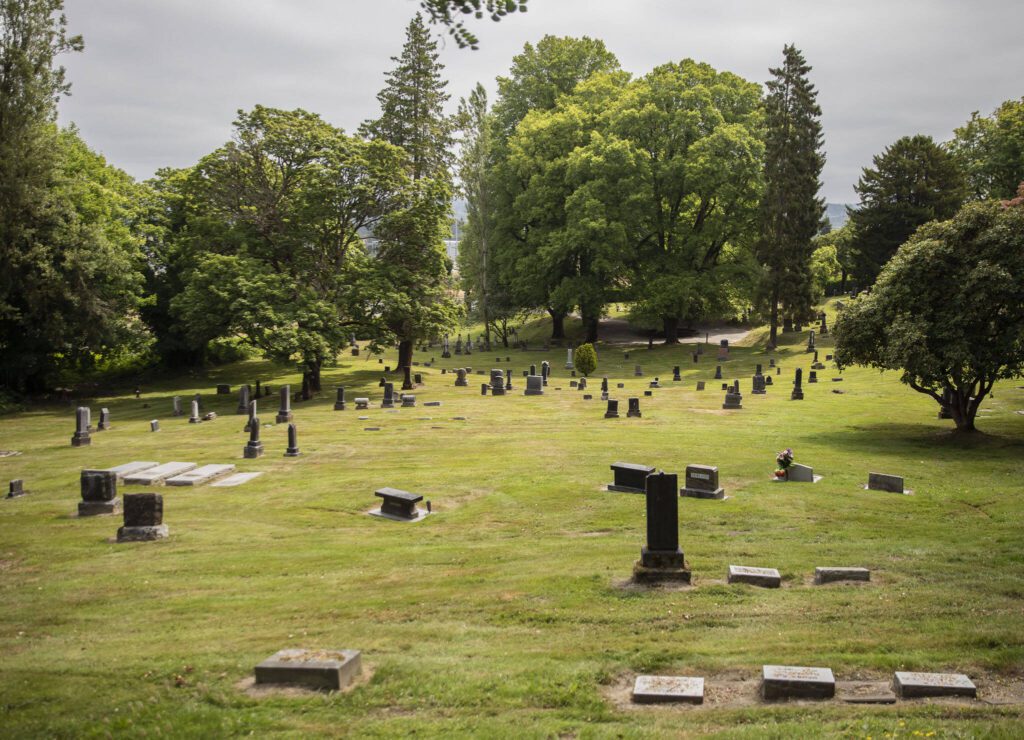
327, 670
702, 482
765, 577
666, 689
909, 685
630, 477
796, 682
832, 574
885, 482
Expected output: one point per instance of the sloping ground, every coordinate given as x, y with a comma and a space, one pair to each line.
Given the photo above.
619, 331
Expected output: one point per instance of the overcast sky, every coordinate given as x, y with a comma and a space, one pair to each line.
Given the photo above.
160, 81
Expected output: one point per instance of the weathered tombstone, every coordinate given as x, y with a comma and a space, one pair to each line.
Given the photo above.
612, 411
284, 412
243, 400
362, 404
910, 685
824, 575
253, 448
702, 482
764, 577
483, 389
771, 362
633, 409
604, 385
758, 382
150, 476
733, 398
661, 559
81, 436
787, 326
259, 391
104, 424
810, 341
816, 365
718, 372
798, 389
399, 505
675, 374
797, 473
460, 377
668, 689
545, 371
533, 370
638, 371
446, 352
629, 477
656, 383
884, 482
812, 376
154, 425
408, 401
824, 324
99, 493
568, 360
388, 401
508, 379
293, 442
406, 378
700, 385
339, 403
497, 383
16, 488
582, 385
223, 390
723, 350
143, 518
252, 414
176, 405
796, 682
324, 670
417, 380
194, 416
458, 345
534, 385
199, 476
88, 418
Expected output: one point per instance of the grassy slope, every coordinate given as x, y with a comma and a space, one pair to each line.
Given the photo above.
502, 614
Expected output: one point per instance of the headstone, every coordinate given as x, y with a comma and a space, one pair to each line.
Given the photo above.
104, 424
634, 408
408, 401
656, 383
668, 689
158, 474
388, 401
661, 559
154, 425
259, 391
508, 379
630, 477
339, 403
733, 398
497, 383
765, 577
323, 670
253, 448
223, 390
832, 575
700, 385
675, 374
718, 372
176, 404
362, 404
417, 380
758, 382
284, 412
545, 371
432, 403
399, 505
99, 493
81, 436
534, 386
16, 488
252, 415
787, 325
824, 324
143, 518
812, 376
796, 682
199, 476
797, 473
604, 385
582, 385
771, 362
458, 345
638, 371
243, 400
810, 341
884, 482
798, 389
613, 409
533, 370
910, 685
702, 482
568, 360
445, 351
293, 442
460, 377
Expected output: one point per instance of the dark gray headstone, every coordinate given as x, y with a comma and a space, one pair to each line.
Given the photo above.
293, 442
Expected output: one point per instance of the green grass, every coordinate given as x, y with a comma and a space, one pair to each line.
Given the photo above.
503, 614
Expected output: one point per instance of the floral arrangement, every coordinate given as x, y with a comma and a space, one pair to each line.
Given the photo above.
784, 459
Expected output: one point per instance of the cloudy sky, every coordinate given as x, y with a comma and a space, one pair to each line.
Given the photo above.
161, 80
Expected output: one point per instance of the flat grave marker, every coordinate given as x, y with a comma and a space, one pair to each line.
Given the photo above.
913, 685
199, 476
235, 480
831, 574
160, 473
796, 682
330, 670
668, 689
764, 577
129, 468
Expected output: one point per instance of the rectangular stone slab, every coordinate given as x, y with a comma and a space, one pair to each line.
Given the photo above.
766, 577
832, 574
885, 482
797, 473
664, 689
235, 480
159, 473
200, 475
796, 682
136, 466
910, 685
315, 669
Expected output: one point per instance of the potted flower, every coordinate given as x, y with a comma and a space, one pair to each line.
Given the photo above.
784, 459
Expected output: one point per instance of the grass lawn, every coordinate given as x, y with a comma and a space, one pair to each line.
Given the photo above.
505, 613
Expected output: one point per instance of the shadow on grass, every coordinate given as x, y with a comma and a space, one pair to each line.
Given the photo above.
885, 438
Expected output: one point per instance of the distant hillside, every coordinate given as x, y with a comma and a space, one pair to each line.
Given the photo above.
836, 213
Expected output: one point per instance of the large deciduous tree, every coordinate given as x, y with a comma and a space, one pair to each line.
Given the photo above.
412, 117
913, 181
791, 210
947, 310
990, 150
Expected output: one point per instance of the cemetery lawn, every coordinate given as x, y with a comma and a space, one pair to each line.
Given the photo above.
505, 612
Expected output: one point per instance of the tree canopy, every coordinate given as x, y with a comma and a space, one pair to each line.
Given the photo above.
990, 150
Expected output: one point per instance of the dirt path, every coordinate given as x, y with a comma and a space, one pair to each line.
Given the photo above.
618, 331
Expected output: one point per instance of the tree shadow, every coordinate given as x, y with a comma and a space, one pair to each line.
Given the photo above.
885, 438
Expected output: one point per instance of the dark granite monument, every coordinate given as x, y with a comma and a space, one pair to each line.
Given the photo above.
661, 560
143, 518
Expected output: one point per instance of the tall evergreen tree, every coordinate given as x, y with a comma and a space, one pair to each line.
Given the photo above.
791, 210
914, 181
412, 117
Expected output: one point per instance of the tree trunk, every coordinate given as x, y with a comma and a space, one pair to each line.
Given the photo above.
557, 324
405, 353
842, 281
590, 324
312, 375
671, 326
774, 323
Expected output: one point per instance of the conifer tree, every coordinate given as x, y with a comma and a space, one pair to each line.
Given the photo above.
791, 210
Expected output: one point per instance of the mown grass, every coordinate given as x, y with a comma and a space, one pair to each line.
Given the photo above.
503, 614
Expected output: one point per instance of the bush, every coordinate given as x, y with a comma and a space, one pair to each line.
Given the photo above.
585, 359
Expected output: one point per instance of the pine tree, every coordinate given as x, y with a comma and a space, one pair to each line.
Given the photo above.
791, 210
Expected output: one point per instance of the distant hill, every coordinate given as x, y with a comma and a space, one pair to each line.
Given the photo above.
836, 213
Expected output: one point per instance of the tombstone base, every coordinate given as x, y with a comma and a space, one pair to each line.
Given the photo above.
194, 420
531, 392
284, 418
81, 440
732, 406
421, 514
97, 508
340, 406
796, 396
634, 415
292, 452
624, 489
718, 494
142, 534
253, 451
661, 566
330, 670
